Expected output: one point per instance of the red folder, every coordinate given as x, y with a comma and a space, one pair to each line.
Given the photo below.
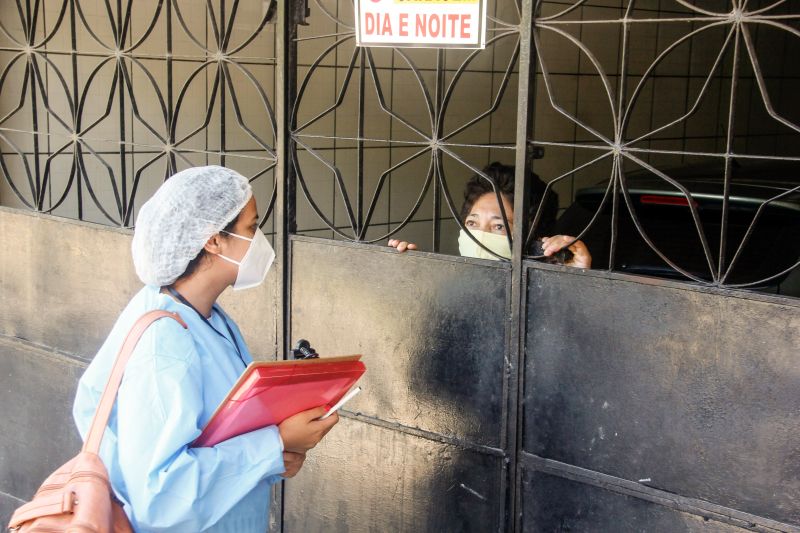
269, 392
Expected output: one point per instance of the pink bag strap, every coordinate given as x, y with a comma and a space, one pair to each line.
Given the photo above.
100, 420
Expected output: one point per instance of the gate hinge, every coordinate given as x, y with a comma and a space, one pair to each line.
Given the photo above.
299, 12
534, 151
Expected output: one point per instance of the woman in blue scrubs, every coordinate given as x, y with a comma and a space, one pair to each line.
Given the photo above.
195, 237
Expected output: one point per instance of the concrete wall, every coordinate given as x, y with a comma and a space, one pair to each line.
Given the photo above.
62, 285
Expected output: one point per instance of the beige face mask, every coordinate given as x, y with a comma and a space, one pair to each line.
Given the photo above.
493, 241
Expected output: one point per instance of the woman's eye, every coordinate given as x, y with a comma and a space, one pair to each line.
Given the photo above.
469, 223
499, 227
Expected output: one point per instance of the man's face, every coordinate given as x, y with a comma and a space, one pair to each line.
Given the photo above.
485, 215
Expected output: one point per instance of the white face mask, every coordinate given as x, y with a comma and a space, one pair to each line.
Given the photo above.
493, 241
255, 264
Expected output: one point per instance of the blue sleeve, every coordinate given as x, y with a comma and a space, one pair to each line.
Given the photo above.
171, 486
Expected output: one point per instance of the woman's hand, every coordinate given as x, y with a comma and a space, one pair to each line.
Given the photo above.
303, 431
581, 258
402, 246
292, 462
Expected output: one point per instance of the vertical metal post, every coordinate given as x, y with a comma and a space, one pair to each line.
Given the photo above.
438, 166
729, 150
361, 231
171, 162
76, 149
616, 176
31, 37
285, 222
123, 175
514, 417
617, 173
221, 81
123, 171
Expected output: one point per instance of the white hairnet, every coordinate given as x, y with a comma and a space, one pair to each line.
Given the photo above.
173, 226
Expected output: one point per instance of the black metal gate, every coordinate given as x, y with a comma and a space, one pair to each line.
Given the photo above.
635, 405
521, 396
509, 395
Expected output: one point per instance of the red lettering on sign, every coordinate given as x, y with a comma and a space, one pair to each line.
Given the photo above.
421, 30
434, 29
449, 25
403, 30
386, 28
369, 23
452, 18
465, 26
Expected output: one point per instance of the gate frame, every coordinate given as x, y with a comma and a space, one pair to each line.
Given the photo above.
292, 13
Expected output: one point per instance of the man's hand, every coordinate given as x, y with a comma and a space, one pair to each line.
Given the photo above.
303, 431
402, 246
581, 258
292, 462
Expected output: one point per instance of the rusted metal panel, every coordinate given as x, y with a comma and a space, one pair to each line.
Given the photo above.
422, 448
693, 392
364, 477
556, 504
432, 333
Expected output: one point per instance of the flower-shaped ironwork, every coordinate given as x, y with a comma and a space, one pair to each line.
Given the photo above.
420, 116
135, 108
627, 150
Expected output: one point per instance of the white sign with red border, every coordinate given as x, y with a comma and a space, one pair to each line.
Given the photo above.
421, 23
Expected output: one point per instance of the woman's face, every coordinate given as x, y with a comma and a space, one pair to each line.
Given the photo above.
485, 215
246, 226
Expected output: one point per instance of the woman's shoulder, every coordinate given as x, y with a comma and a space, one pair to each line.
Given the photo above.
168, 338
164, 337
164, 344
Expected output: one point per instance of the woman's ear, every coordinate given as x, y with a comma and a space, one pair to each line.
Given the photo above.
214, 244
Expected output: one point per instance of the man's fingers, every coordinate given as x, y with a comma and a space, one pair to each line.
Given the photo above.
329, 422
293, 456
292, 462
313, 414
577, 248
554, 244
401, 246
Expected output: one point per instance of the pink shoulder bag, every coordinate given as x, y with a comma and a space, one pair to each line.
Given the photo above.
77, 498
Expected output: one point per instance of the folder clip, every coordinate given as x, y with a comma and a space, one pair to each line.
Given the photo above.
304, 350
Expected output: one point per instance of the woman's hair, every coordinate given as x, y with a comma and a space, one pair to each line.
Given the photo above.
503, 178
194, 264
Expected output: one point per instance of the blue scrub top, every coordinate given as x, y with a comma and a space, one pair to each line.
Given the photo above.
172, 385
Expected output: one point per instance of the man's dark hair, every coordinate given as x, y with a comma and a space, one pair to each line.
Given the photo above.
503, 178
194, 264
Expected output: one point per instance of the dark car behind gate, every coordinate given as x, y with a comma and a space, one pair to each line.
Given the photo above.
763, 223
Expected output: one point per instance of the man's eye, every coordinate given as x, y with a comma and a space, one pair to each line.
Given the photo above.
499, 227
469, 223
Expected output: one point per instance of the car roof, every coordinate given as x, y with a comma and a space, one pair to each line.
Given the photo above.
751, 183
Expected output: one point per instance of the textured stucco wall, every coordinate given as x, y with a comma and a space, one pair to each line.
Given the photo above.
62, 285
